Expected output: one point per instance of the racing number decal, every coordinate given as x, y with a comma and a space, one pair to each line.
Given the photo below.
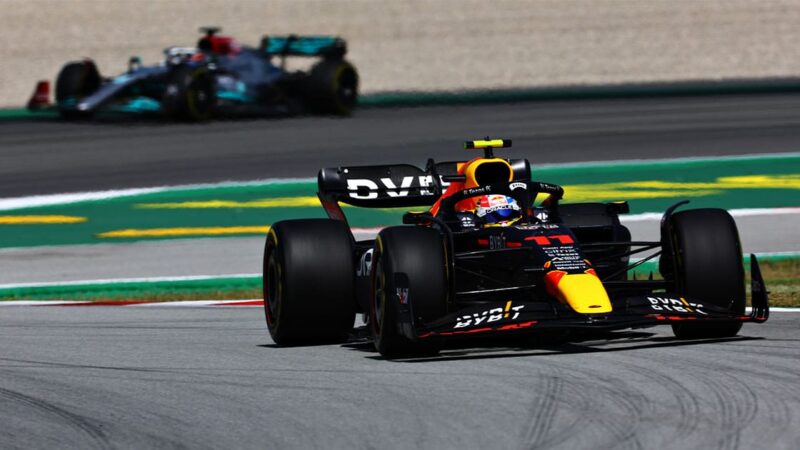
564, 239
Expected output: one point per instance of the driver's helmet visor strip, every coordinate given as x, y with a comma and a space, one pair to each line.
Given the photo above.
497, 208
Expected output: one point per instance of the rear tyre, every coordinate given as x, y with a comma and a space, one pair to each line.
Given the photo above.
407, 262
75, 81
190, 94
308, 284
332, 87
707, 265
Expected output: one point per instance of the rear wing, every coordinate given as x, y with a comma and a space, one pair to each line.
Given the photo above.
330, 47
392, 186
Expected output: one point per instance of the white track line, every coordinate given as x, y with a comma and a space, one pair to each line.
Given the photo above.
68, 198
7, 204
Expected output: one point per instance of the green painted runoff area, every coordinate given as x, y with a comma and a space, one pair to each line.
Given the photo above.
247, 209
215, 288
188, 289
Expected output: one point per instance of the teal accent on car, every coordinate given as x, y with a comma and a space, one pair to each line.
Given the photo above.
122, 79
138, 105
301, 45
235, 96
68, 102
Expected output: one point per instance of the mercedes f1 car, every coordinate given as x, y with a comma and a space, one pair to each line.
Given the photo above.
485, 259
219, 77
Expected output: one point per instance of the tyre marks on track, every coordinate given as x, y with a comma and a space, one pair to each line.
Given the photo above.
217, 386
543, 411
746, 394
96, 437
611, 420
709, 402
673, 397
575, 407
735, 403
685, 408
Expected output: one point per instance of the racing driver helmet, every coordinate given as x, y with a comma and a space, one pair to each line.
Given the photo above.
499, 210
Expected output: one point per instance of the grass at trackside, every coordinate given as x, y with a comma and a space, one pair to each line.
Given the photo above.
781, 276
783, 281
178, 295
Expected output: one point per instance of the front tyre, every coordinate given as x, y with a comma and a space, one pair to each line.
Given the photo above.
75, 81
707, 265
409, 282
308, 282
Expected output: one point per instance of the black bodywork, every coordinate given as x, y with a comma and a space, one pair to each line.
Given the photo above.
498, 275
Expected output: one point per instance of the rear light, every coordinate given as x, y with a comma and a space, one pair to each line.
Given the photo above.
41, 96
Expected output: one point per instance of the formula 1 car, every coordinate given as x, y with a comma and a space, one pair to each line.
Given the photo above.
485, 259
219, 77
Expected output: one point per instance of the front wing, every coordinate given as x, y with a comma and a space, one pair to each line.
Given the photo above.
628, 312
110, 92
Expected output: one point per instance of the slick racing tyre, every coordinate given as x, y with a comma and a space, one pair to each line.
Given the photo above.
75, 81
190, 94
308, 286
332, 87
409, 279
707, 265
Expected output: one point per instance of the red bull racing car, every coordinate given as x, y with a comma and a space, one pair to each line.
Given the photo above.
484, 258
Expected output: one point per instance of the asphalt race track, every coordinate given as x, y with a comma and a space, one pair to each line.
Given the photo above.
100, 377
169, 377
244, 255
52, 157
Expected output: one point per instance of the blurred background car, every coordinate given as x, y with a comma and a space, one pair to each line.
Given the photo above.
218, 77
